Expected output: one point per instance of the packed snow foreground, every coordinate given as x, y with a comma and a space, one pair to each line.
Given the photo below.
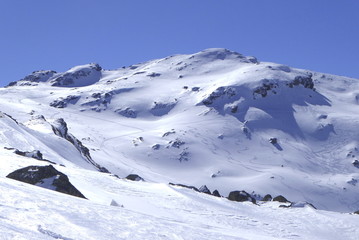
213, 145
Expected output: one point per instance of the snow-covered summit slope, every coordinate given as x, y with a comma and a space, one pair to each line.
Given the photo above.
215, 117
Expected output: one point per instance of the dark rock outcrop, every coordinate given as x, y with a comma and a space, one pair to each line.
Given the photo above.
36, 154
305, 81
34, 77
62, 102
241, 196
216, 193
176, 143
33, 154
79, 76
184, 186
221, 92
59, 127
154, 74
265, 89
355, 163
46, 177
267, 198
134, 177
204, 189
281, 199
156, 146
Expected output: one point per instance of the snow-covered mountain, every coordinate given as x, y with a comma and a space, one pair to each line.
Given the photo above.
213, 118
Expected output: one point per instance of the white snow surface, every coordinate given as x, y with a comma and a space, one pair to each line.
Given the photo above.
200, 119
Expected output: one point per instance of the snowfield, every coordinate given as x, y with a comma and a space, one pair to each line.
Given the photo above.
214, 118
121, 209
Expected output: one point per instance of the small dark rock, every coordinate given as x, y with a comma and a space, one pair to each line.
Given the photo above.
134, 177
9, 148
204, 189
216, 193
356, 212
156, 146
168, 133
154, 75
234, 109
96, 95
353, 181
176, 143
281, 199
273, 140
241, 196
267, 198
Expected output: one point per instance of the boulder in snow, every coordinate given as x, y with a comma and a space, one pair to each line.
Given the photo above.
281, 199
46, 177
216, 193
241, 196
134, 177
267, 198
204, 189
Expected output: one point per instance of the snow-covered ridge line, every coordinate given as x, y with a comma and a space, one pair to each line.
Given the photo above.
213, 118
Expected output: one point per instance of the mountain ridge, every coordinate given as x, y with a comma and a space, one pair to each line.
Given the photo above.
186, 118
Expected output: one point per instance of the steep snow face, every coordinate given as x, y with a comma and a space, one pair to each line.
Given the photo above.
215, 117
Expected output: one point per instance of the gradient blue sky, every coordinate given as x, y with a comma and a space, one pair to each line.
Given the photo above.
320, 35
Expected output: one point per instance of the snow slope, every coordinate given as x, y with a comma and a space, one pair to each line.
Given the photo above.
151, 211
216, 118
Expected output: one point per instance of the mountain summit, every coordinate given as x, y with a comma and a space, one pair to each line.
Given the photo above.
216, 119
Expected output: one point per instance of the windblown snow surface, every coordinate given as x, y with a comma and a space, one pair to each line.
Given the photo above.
214, 118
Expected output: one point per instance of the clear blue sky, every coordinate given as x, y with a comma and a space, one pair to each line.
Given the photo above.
320, 35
